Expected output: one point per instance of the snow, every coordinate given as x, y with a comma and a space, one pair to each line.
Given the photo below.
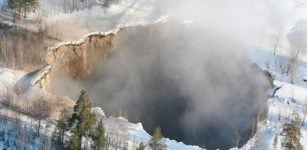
8, 78
267, 61
288, 102
284, 108
135, 134
74, 25
291, 91
112, 31
13, 124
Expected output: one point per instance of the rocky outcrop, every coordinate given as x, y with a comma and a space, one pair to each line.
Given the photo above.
78, 59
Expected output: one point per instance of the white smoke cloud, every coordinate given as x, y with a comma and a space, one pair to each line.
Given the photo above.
195, 80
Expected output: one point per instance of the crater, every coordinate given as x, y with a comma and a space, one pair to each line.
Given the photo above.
197, 85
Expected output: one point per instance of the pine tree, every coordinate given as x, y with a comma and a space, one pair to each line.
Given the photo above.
86, 118
99, 137
75, 141
82, 117
156, 141
83, 120
61, 128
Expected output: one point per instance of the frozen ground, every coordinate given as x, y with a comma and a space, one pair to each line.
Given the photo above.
289, 100
72, 26
287, 103
282, 109
134, 134
8, 79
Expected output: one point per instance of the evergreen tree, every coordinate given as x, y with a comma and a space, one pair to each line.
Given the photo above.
86, 118
75, 141
156, 142
83, 120
292, 133
61, 128
99, 137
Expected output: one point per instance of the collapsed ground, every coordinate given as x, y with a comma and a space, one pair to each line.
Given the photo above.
269, 130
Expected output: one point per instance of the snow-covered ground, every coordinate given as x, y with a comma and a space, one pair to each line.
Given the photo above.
17, 129
288, 102
282, 109
73, 25
134, 134
8, 79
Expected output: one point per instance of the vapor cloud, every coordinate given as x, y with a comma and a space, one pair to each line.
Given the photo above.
197, 84
194, 80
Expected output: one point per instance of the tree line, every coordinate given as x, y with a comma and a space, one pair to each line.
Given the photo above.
84, 130
22, 7
20, 48
77, 130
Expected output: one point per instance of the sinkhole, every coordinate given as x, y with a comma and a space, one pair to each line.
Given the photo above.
198, 85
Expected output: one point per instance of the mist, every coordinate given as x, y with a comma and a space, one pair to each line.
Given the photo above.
190, 76
197, 85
